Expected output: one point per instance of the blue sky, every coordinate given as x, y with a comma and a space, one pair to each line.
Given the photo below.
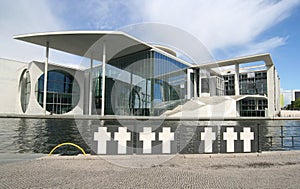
228, 28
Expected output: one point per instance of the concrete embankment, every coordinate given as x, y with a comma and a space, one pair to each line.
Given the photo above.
257, 170
116, 117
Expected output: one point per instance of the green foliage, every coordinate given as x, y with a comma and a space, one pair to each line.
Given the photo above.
296, 104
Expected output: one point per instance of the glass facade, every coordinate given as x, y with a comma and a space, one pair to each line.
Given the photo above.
25, 87
253, 107
253, 83
250, 83
142, 84
62, 92
229, 84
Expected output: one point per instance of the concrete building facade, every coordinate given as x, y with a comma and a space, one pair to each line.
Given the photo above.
135, 79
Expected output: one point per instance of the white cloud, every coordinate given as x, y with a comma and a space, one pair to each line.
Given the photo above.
20, 17
220, 24
104, 14
261, 47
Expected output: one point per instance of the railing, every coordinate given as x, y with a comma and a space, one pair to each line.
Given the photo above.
280, 138
193, 138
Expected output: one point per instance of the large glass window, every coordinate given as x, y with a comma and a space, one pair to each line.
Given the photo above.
169, 83
253, 83
253, 107
147, 83
229, 84
25, 87
62, 92
250, 83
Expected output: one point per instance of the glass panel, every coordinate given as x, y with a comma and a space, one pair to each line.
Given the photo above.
253, 107
62, 92
25, 85
144, 83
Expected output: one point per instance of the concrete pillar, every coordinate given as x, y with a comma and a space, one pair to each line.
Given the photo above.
103, 79
199, 83
91, 87
131, 103
195, 84
279, 94
46, 78
188, 85
237, 79
277, 101
271, 90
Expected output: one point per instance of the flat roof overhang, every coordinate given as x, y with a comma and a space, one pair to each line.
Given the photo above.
89, 44
241, 60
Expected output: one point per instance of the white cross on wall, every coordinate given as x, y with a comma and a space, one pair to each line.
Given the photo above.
230, 136
122, 136
247, 136
166, 136
208, 137
102, 136
147, 137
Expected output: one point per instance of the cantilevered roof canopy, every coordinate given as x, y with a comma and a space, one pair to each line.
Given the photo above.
88, 43
248, 59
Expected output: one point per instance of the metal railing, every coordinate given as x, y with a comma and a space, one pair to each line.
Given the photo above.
280, 138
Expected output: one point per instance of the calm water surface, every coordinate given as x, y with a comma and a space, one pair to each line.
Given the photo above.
19, 135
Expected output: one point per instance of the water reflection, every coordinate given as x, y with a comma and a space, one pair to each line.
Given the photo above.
41, 135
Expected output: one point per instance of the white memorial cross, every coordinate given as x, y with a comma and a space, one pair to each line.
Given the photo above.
122, 136
147, 137
208, 137
230, 136
166, 136
102, 136
247, 136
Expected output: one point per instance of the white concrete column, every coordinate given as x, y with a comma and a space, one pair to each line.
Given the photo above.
199, 83
46, 78
188, 83
103, 79
195, 84
271, 90
237, 79
91, 86
131, 104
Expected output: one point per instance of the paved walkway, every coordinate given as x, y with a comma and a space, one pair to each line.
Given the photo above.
265, 170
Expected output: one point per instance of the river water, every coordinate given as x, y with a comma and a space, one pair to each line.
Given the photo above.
22, 135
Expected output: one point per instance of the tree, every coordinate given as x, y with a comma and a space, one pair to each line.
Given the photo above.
296, 104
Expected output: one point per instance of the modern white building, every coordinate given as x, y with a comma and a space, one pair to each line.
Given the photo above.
288, 96
135, 78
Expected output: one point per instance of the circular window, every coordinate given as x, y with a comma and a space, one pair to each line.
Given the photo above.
62, 92
25, 86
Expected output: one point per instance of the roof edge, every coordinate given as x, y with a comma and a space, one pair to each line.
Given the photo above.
67, 32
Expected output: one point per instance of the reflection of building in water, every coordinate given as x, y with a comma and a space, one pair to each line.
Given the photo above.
129, 77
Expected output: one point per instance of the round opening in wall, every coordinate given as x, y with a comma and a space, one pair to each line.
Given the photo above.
62, 92
25, 87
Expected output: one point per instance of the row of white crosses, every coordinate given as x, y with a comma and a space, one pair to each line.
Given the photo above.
122, 136
230, 136
102, 136
166, 136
